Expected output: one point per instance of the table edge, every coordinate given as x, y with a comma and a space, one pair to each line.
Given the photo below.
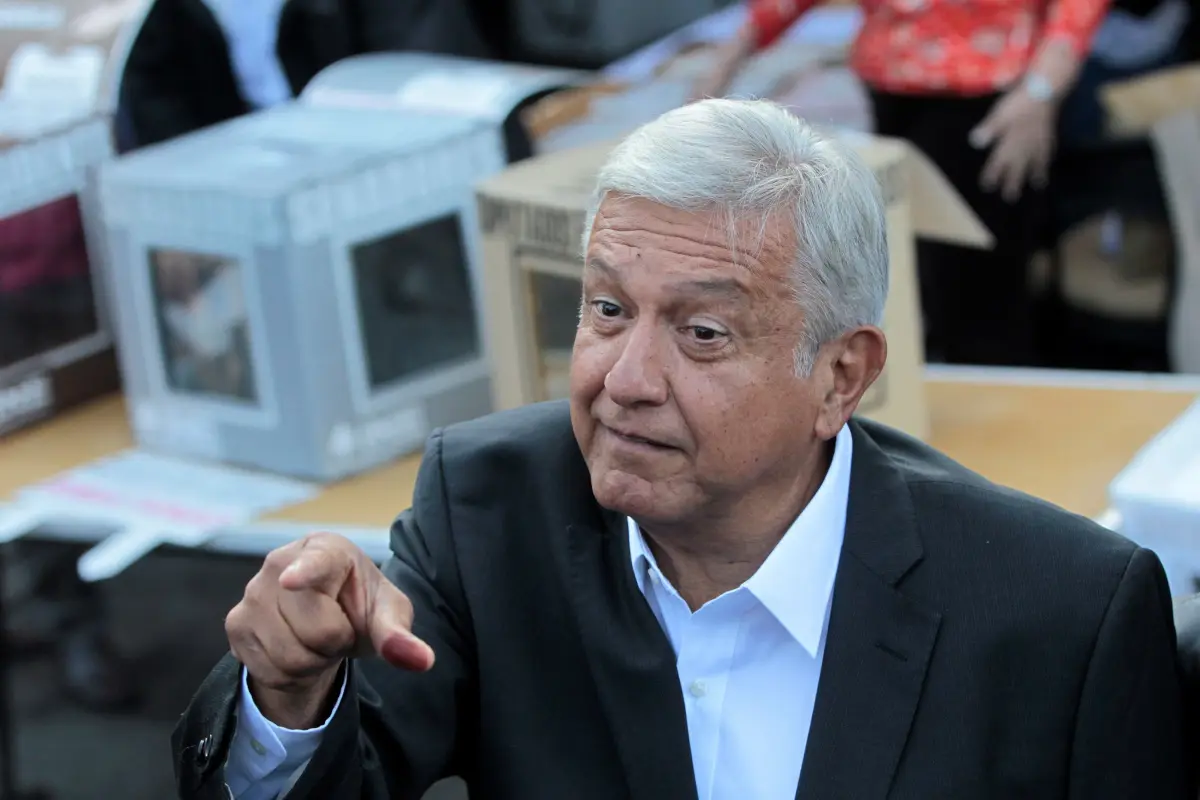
1166, 383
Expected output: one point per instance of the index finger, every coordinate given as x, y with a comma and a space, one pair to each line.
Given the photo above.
993, 170
319, 568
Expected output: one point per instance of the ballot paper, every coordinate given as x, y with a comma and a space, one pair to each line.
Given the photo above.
37, 74
150, 500
207, 322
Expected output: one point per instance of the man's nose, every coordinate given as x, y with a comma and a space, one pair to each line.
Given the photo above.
637, 378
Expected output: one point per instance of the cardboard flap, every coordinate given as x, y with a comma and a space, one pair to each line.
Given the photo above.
1135, 106
938, 211
566, 178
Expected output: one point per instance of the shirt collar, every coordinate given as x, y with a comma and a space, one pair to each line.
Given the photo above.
795, 583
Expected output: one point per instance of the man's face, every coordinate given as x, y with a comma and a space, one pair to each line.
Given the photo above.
684, 393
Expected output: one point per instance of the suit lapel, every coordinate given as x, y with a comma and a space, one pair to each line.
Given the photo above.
878, 644
630, 658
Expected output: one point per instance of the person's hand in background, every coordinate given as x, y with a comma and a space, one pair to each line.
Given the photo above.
1020, 130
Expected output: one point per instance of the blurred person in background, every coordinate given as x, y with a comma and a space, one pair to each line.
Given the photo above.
196, 63
975, 85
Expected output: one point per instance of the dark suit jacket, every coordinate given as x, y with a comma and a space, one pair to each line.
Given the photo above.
982, 644
178, 77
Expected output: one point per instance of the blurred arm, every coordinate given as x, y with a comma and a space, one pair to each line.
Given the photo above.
767, 20
1066, 41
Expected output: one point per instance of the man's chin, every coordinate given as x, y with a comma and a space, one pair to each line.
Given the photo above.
629, 494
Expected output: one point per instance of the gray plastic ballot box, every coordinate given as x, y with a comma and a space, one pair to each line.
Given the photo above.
297, 290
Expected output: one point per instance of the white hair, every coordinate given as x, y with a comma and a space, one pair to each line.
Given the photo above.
753, 160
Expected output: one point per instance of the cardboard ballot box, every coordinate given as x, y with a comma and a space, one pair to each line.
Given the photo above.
296, 289
56, 65
425, 83
533, 216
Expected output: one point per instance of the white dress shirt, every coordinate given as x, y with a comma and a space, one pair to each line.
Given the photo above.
749, 663
251, 29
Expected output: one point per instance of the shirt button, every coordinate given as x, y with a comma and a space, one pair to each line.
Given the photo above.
257, 746
698, 689
655, 579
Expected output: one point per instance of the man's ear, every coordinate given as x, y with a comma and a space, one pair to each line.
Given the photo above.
856, 360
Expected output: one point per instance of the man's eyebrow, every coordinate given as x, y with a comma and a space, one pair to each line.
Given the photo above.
599, 265
728, 288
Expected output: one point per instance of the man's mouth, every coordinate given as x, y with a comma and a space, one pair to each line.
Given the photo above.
633, 438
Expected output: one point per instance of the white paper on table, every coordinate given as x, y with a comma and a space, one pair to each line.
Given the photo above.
20, 519
1167, 470
70, 80
154, 500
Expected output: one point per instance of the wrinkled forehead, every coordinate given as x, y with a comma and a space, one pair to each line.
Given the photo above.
630, 228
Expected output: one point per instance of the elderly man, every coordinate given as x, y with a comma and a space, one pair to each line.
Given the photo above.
700, 578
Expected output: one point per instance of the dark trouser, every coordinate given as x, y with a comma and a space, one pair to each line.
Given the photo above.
976, 303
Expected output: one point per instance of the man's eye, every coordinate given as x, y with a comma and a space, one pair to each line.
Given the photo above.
705, 334
606, 309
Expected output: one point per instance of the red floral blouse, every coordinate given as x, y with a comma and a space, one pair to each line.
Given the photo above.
968, 47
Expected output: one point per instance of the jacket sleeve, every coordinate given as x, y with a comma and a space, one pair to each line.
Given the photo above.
395, 733
1075, 22
1129, 732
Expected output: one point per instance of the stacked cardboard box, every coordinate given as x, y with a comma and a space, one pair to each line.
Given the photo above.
59, 64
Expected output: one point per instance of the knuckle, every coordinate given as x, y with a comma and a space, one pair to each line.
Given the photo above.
326, 540
278, 560
235, 621
258, 589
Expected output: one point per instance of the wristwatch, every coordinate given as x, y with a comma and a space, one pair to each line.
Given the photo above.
1038, 87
